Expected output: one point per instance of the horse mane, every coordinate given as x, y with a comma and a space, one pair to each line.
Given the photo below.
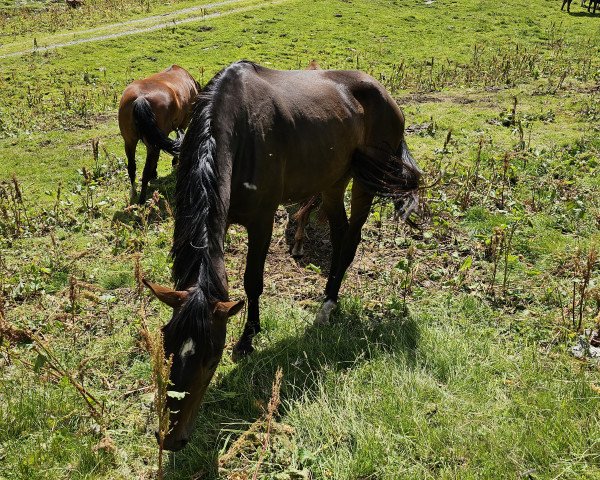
197, 206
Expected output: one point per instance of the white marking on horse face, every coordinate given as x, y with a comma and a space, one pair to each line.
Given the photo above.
187, 349
249, 186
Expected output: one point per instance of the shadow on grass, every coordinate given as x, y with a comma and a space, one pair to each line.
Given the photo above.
232, 404
583, 14
166, 187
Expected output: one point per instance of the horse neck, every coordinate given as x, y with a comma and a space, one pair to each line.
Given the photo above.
194, 260
218, 228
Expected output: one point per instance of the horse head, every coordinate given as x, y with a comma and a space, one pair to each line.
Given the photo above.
195, 354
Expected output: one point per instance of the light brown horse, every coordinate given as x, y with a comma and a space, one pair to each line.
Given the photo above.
259, 138
150, 109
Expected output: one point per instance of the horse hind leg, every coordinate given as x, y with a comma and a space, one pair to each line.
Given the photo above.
130, 148
149, 171
360, 209
333, 206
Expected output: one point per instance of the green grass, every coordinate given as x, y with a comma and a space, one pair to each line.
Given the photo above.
470, 380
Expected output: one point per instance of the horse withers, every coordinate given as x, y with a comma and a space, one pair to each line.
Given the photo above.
259, 138
150, 109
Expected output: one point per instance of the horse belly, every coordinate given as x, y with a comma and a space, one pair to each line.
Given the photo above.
320, 161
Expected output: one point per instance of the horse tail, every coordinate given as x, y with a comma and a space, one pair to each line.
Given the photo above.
394, 175
147, 128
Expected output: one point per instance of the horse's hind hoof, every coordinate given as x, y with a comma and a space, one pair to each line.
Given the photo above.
132, 195
325, 312
241, 351
297, 251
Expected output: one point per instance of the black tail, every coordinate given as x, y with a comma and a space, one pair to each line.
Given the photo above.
145, 124
392, 175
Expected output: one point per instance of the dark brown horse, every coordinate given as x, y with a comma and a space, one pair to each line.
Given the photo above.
258, 138
595, 3
150, 109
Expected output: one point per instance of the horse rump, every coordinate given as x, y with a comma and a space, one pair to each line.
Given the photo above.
391, 175
144, 120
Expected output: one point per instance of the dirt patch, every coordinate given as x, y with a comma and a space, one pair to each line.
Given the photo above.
418, 98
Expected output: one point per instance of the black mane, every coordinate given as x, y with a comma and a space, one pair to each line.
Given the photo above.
197, 208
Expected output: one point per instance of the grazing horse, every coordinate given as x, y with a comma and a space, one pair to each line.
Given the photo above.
589, 6
258, 138
150, 109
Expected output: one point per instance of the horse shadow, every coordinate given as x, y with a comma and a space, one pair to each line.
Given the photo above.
165, 186
583, 14
233, 403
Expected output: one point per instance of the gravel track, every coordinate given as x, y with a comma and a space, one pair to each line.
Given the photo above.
167, 20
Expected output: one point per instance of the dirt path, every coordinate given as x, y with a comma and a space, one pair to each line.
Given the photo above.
156, 22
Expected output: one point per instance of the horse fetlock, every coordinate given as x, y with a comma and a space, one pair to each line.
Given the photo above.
325, 312
298, 249
241, 349
132, 194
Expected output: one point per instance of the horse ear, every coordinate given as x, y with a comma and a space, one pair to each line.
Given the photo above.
229, 309
173, 298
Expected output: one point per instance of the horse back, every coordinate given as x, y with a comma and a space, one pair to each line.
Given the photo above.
278, 102
171, 94
295, 132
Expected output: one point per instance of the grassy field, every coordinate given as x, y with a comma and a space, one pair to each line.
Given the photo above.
451, 353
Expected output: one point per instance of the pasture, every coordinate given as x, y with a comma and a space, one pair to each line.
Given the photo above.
451, 354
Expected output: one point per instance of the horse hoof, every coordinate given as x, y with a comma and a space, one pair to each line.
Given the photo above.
297, 250
241, 351
325, 312
132, 195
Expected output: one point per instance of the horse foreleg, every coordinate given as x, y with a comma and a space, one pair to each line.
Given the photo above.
259, 237
360, 208
149, 171
302, 218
